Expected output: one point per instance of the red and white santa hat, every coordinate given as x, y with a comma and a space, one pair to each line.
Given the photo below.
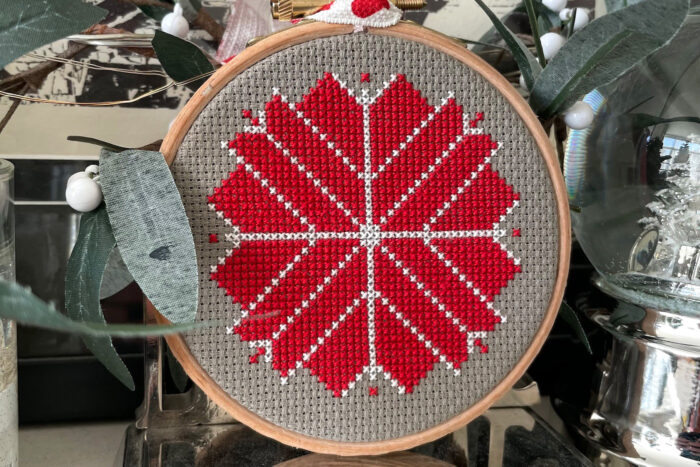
363, 13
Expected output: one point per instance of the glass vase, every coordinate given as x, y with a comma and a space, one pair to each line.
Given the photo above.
8, 335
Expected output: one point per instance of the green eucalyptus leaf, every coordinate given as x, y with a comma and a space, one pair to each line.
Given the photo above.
86, 266
571, 318
614, 5
177, 373
180, 59
152, 230
19, 304
116, 276
28, 24
154, 11
527, 62
605, 49
626, 313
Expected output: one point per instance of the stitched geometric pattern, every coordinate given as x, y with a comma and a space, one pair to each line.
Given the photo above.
365, 234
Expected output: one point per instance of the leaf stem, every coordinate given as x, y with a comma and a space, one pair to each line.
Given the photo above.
572, 22
535, 30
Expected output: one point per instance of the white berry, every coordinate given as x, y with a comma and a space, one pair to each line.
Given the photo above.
581, 20
76, 176
523, 84
579, 116
92, 170
554, 5
174, 23
83, 194
551, 44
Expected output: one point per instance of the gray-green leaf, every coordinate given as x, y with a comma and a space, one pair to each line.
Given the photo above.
180, 59
569, 316
605, 49
86, 266
28, 24
614, 5
527, 62
19, 304
152, 230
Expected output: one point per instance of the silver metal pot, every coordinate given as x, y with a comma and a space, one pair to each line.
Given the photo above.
646, 403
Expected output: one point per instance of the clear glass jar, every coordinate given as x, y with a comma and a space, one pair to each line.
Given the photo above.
634, 179
8, 334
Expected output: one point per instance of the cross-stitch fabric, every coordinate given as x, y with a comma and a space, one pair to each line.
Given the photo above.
377, 230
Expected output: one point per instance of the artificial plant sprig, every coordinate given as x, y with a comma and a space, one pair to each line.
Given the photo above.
599, 53
528, 64
143, 215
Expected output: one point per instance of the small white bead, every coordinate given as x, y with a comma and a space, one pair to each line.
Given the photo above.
554, 5
76, 176
579, 116
174, 23
582, 18
83, 194
551, 44
523, 84
92, 169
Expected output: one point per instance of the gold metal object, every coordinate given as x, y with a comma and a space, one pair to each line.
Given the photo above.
287, 10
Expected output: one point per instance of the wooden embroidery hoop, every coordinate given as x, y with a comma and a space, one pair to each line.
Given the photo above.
410, 32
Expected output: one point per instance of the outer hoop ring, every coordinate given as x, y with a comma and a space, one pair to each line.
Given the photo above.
304, 33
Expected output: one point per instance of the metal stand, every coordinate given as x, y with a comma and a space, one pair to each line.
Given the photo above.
190, 430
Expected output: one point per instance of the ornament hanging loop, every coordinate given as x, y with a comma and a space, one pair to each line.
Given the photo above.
287, 10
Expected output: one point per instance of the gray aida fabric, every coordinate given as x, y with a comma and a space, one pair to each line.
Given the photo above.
376, 228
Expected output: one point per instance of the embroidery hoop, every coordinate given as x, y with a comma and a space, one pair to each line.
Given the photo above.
409, 32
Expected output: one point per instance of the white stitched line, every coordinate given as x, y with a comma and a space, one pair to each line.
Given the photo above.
409, 139
276, 280
366, 100
277, 195
471, 337
307, 173
381, 235
322, 136
509, 211
314, 295
429, 294
326, 334
423, 177
459, 192
394, 382
434, 349
274, 191
463, 279
369, 243
351, 384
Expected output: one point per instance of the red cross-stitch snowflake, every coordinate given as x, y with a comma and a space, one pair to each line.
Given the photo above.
365, 234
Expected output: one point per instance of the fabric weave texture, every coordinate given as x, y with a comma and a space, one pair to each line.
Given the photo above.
377, 229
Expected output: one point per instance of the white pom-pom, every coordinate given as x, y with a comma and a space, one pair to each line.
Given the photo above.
83, 194
76, 176
551, 43
174, 23
579, 116
582, 18
554, 5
